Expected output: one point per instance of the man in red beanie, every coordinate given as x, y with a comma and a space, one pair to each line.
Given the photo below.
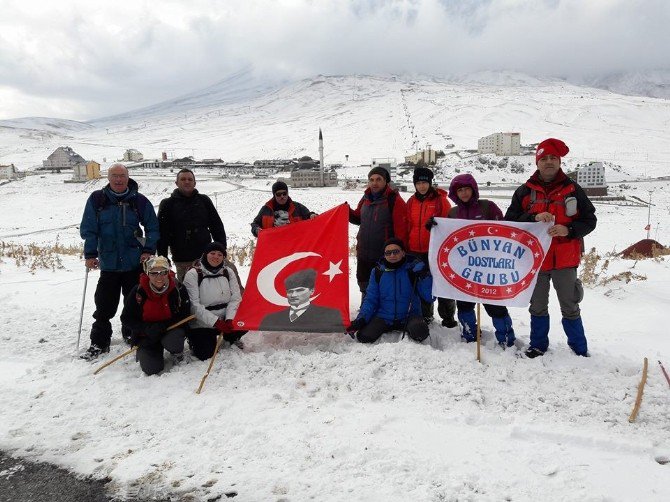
550, 196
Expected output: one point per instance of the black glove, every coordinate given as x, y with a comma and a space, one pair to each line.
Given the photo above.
356, 325
155, 329
418, 272
430, 223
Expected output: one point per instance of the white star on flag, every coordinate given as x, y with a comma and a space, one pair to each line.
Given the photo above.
333, 270
451, 276
445, 264
468, 285
455, 239
537, 255
509, 290
471, 233
530, 242
513, 234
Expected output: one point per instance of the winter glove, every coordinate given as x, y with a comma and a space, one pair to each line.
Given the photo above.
356, 325
224, 326
155, 330
419, 272
430, 223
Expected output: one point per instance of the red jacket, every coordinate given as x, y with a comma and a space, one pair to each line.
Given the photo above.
434, 203
537, 197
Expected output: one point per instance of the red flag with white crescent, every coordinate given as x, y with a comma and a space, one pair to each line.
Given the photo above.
299, 278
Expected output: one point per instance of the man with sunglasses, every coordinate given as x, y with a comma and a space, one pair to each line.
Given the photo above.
393, 298
279, 210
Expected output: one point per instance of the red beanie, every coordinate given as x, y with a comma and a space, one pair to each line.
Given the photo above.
551, 146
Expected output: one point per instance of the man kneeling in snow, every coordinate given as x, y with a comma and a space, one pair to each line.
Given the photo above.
150, 308
393, 297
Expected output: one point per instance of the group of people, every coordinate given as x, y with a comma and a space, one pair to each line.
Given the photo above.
122, 234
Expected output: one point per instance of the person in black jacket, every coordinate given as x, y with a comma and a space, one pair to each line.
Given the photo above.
188, 221
150, 308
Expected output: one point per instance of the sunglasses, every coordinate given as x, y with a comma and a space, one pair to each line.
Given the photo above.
281, 194
392, 252
159, 272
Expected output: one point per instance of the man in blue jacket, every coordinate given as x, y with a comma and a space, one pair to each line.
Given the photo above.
114, 243
392, 299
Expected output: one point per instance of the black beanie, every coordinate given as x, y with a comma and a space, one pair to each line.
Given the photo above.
396, 241
279, 185
381, 172
214, 246
423, 174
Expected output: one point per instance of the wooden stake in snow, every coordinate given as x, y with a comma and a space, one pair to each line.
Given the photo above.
211, 362
665, 373
640, 389
134, 348
479, 335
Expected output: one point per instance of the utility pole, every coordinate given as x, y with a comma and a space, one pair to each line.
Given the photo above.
321, 157
649, 215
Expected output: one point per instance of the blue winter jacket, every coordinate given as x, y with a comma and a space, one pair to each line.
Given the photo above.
112, 232
389, 298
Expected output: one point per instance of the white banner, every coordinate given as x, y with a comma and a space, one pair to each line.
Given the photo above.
493, 262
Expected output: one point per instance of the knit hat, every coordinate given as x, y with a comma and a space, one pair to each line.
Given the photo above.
279, 185
157, 262
422, 174
396, 241
214, 246
551, 146
301, 279
381, 172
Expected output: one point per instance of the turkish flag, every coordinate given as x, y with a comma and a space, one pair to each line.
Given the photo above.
299, 278
648, 227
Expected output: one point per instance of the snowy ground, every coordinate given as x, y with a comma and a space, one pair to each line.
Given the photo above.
319, 417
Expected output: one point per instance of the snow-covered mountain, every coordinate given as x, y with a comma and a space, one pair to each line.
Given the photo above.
244, 118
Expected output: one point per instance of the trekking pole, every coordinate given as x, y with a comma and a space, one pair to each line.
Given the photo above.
640, 389
81, 314
211, 363
665, 373
479, 335
409, 307
135, 347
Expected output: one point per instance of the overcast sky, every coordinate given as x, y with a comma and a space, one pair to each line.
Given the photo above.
82, 59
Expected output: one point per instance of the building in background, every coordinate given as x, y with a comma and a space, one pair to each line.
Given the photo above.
500, 143
301, 178
591, 178
132, 155
427, 157
63, 157
9, 172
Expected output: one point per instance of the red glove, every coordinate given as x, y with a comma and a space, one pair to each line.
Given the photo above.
224, 326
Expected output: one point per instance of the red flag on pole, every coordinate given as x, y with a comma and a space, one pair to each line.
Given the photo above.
648, 227
299, 278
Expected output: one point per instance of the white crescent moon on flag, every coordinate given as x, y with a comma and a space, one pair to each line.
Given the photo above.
488, 230
265, 282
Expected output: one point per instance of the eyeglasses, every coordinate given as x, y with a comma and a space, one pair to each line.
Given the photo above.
392, 252
281, 194
158, 272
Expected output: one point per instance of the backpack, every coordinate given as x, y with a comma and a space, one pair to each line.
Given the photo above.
483, 206
202, 277
137, 204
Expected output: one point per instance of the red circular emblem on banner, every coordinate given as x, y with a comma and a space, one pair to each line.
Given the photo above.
490, 260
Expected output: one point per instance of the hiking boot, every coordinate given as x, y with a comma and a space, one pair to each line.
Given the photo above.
178, 358
532, 353
93, 352
449, 323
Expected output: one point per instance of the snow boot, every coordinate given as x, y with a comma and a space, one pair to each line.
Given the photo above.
539, 333
93, 352
469, 322
532, 353
574, 329
504, 330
